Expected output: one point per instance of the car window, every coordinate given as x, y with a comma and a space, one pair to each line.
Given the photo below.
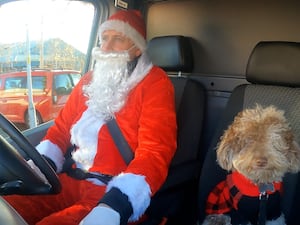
38, 82
62, 84
75, 78
13, 83
48, 35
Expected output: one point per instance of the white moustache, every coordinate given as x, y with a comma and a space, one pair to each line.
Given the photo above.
99, 54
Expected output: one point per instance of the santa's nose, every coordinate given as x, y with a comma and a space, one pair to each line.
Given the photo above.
107, 46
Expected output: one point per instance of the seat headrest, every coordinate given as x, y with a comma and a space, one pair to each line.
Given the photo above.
171, 53
275, 63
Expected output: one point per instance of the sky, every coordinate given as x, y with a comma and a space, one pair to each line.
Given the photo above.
44, 19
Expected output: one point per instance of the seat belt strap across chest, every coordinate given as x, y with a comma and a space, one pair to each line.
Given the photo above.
120, 141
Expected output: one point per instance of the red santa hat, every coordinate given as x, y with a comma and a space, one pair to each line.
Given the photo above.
130, 23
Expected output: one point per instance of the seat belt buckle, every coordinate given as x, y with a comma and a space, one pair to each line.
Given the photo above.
264, 189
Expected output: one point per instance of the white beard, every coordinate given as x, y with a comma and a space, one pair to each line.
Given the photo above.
108, 89
107, 93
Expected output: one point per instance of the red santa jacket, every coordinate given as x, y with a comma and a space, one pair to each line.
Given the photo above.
148, 123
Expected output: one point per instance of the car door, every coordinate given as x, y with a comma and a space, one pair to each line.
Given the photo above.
13, 97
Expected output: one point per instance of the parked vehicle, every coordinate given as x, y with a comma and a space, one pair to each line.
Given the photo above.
222, 57
50, 89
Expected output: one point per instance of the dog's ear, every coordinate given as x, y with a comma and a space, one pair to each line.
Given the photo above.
294, 157
224, 156
226, 148
232, 142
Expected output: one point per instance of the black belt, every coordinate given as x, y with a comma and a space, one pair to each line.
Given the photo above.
120, 142
78, 173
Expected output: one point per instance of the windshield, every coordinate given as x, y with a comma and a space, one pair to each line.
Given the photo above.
49, 36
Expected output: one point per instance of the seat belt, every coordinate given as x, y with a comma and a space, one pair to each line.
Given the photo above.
120, 141
289, 184
121, 144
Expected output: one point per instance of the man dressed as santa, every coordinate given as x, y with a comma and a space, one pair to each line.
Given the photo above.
126, 86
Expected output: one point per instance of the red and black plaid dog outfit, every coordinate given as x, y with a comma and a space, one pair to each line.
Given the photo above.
239, 196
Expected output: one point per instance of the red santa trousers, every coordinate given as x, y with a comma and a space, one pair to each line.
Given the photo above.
69, 207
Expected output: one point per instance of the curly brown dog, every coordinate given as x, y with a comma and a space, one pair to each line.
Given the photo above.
257, 150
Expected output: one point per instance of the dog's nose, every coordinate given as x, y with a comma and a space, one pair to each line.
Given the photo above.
262, 161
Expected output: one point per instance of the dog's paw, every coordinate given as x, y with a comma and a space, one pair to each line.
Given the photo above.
217, 219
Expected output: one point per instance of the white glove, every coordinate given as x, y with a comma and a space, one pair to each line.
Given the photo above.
101, 215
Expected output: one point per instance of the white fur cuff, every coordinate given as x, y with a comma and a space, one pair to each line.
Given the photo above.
137, 190
53, 152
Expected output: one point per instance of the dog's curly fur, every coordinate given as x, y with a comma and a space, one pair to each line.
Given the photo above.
260, 145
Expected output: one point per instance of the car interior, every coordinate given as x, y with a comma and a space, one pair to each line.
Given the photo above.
272, 72
174, 54
222, 57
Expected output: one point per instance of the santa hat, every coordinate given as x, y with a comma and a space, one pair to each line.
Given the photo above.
130, 23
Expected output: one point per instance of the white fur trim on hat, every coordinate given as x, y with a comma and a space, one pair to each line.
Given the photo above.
126, 29
136, 188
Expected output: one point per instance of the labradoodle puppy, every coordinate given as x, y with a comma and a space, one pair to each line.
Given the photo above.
257, 150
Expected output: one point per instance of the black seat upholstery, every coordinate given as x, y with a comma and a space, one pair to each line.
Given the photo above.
177, 196
273, 71
172, 53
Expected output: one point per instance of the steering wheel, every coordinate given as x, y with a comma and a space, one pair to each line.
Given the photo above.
17, 176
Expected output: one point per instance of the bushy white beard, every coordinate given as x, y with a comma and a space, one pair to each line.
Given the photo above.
108, 88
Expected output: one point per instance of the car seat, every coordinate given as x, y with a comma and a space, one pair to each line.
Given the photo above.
176, 199
273, 73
